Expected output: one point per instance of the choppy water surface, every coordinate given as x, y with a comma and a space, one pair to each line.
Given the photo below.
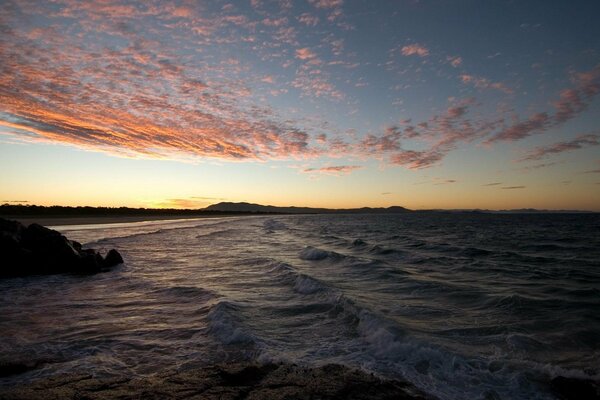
464, 306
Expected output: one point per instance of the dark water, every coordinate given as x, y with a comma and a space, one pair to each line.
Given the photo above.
464, 306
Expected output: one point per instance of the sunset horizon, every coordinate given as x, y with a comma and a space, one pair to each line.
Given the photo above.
322, 103
300, 199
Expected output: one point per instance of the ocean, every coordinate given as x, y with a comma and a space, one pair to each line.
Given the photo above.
464, 306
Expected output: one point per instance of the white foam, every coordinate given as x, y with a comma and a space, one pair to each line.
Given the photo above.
313, 254
223, 325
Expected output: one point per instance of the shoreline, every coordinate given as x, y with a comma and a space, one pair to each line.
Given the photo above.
224, 381
63, 220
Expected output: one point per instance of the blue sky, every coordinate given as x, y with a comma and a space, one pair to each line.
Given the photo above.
338, 103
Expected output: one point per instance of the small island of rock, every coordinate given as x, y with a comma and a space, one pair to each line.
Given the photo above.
36, 250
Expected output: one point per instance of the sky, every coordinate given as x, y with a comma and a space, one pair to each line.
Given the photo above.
327, 103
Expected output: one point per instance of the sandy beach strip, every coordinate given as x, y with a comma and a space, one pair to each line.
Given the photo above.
58, 220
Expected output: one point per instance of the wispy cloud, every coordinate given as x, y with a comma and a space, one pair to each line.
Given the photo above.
326, 3
208, 198
189, 203
561, 147
305, 54
537, 122
443, 132
455, 61
415, 49
513, 187
484, 83
137, 99
333, 170
571, 102
444, 181
131, 92
492, 184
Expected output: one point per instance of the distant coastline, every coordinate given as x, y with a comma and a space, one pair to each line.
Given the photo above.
83, 215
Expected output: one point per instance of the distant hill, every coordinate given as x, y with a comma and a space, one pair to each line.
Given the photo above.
259, 208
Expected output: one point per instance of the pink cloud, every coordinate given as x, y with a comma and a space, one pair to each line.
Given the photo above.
415, 49
416, 159
117, 102
442, 132
454, 61
305, 53
536, 123
568, 105
276, 22
561, 147
327, 3
308, 19
571, 102
483, 83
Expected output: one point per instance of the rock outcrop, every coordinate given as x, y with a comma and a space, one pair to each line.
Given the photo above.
234, 381
575, 389
36, 250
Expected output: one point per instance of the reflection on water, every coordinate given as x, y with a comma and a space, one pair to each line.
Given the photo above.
461, 305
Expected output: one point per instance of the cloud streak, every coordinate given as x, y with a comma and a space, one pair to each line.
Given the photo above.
580, 142
269, 81
571, 102
333, 170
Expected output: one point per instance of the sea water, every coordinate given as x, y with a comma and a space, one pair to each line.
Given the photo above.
477, 306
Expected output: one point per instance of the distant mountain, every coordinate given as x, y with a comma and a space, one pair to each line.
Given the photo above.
259, 208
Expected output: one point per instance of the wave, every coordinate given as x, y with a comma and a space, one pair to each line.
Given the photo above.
315, 254
225, 325
109, 239
109, 234
301, 283
272, 225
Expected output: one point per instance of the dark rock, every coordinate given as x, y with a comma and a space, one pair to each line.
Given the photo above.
233, 381
20, 366
36, 250
575, 389
113, 258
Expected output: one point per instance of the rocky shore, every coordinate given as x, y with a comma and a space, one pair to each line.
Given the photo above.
232, 381
36, 250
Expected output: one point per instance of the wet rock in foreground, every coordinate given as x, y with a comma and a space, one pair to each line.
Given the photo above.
575, 389
36, 250
237, 381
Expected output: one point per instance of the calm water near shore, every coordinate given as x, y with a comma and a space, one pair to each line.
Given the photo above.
463, 305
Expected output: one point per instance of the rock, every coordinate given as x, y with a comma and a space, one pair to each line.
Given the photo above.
36, 250
233, 381
113, 258
575, 389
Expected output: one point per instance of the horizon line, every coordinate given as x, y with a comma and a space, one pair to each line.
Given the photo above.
524, 209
